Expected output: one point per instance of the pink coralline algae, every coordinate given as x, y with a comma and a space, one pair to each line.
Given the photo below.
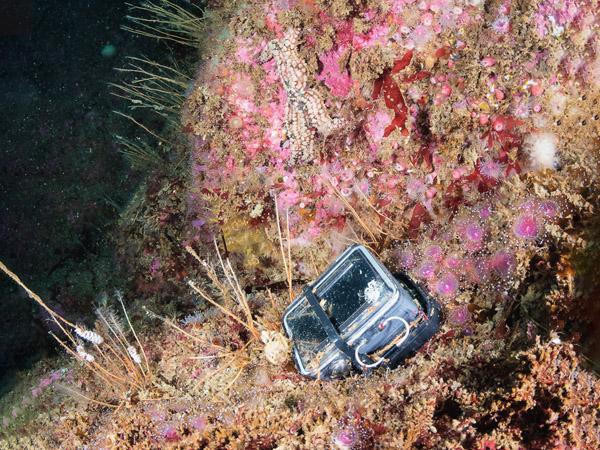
288, 198
376, 36
337, 80
375, 126
246, 53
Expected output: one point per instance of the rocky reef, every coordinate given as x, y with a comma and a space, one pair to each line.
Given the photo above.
458, 140
445, 141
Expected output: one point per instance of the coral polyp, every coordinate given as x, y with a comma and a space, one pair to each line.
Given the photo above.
526, 226
447, 285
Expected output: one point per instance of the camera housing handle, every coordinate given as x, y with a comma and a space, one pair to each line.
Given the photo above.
332, 333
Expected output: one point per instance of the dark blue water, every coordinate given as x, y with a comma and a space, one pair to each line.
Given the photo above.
62, 181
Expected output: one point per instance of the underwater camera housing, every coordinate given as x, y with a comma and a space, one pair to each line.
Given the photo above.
357, 315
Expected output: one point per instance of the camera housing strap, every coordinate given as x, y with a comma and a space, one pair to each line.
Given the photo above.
331, 331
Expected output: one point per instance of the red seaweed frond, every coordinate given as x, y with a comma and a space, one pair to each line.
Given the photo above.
392, 95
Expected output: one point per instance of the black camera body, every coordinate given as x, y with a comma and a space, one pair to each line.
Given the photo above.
358, 316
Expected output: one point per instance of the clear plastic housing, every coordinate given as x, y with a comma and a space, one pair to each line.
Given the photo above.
355, 292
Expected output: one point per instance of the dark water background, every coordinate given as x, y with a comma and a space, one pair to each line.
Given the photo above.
62, 180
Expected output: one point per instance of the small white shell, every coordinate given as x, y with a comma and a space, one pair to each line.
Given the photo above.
276, 347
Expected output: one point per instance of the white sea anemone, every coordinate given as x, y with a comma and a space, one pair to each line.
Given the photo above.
542, 150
